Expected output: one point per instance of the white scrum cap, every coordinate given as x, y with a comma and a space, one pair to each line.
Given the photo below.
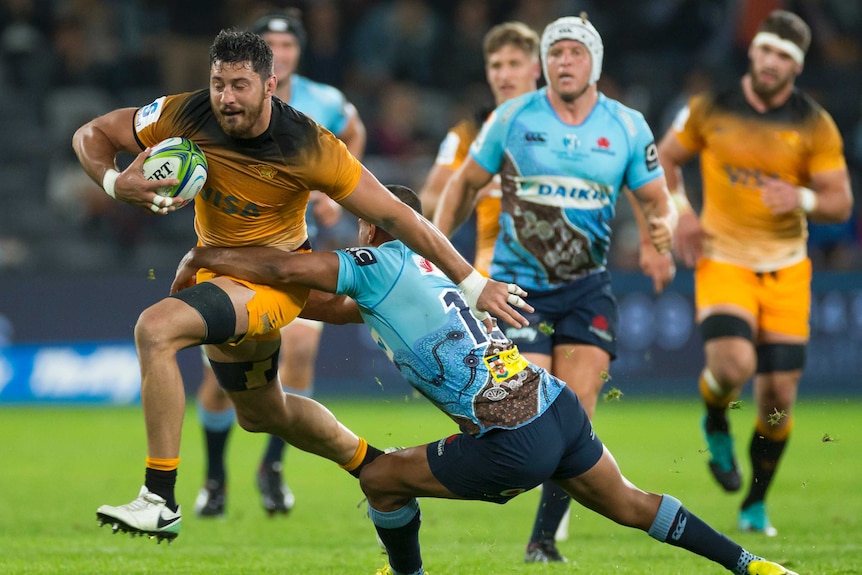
574, 28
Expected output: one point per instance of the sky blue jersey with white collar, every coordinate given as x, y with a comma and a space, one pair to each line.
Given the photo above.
560, 184
423, 324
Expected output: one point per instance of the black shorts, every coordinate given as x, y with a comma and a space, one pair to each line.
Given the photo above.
584, 311
502, 463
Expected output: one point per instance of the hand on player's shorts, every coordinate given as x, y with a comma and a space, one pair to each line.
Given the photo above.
186, 275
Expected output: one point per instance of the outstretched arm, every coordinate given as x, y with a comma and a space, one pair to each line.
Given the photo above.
268, 266
271, 266
376, 205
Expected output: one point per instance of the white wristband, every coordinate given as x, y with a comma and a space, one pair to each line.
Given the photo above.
681, 202
108, 181
472, 286
807, 199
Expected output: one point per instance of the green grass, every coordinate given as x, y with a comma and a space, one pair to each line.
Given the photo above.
59, 464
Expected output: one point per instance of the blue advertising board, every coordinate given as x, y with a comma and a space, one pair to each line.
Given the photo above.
71, 341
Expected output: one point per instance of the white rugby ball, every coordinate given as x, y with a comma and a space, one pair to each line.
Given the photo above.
178, 158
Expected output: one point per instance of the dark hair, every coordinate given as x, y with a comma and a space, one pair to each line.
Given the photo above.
407, 196
287, 22
236, 47
788, 26
515, 34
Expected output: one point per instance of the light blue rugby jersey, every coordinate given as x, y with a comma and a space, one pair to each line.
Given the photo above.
323, 103
560, 185
423, 324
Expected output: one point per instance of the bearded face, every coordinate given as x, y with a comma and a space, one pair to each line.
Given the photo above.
771, 70
238, 97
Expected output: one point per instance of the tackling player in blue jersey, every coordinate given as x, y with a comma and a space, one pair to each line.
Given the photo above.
564, 153
519, 425
300, 339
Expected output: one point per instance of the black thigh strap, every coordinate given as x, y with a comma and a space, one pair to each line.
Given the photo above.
243, 375
724, 325
780, 357
215, 308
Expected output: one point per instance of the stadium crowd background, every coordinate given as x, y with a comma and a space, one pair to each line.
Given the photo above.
411, 67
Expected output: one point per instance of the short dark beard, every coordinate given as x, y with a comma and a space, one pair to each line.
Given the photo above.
569, 98
232, 131
762, 92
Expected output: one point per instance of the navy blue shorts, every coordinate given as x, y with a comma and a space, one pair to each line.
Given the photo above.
502, 463
585, 311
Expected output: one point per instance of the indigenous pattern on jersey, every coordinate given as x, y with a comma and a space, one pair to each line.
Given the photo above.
560, 184
257, 189
452, 152
739, 148
422, 322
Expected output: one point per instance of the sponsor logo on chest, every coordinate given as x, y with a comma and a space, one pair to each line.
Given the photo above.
564, 192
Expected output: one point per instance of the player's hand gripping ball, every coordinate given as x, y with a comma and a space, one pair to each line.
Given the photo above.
178, 158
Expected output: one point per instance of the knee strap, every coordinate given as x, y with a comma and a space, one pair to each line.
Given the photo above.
215, 307
243, 375
725, 325
780, 357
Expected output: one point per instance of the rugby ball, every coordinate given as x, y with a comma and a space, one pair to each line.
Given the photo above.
178, 158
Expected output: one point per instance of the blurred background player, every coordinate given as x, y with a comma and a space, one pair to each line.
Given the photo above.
285, 35
564, 153
511, 69
770, 158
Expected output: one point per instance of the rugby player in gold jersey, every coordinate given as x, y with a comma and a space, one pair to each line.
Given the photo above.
264, 158
770, 159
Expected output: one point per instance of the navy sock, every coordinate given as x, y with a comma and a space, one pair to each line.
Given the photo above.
162, 484
765, 454
371, 453
274, 451
677, 526
552, 506
716, 419
216, 443
399, 532
217, 426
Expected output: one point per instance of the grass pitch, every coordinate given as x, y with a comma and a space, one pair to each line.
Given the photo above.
59, 464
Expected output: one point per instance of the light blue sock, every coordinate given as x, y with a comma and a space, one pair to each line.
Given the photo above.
216, 420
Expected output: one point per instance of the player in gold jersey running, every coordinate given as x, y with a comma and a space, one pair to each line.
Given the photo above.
264, 158
770, 158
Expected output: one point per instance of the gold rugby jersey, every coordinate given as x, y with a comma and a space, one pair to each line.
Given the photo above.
740, 147
257, 189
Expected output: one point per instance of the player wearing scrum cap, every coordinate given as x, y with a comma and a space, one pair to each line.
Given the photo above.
300, 339
770, 158
564, 153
